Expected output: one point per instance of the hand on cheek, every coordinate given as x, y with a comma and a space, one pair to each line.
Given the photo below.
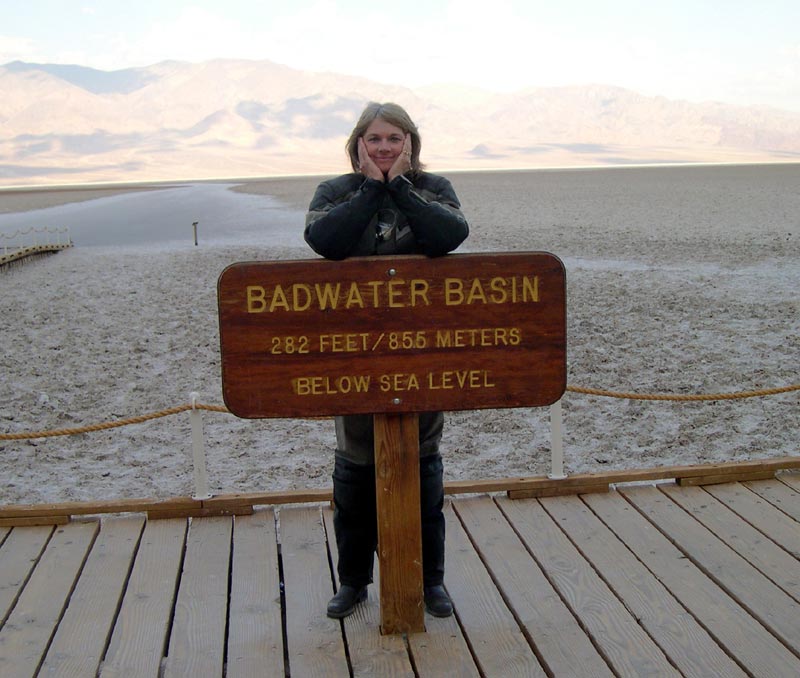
403, 162
368, 168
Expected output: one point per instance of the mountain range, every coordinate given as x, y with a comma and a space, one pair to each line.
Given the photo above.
67, 124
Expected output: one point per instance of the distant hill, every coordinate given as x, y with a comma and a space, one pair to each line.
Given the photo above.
232, 118
94, 81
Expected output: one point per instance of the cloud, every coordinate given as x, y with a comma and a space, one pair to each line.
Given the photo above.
195, 34
14, 48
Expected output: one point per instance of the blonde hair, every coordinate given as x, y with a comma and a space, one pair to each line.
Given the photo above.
394, 115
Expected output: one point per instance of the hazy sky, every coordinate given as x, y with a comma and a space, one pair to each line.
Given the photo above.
738, 51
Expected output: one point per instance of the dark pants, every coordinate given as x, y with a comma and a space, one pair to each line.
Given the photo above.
356, 524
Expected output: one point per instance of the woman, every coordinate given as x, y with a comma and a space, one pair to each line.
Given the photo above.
388, 205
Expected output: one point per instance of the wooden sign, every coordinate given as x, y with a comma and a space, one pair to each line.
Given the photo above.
392, 334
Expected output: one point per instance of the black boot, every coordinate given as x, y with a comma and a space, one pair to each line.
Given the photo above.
345, 601
437, 602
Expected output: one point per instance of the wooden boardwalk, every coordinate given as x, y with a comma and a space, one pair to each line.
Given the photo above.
20, 254
662, 580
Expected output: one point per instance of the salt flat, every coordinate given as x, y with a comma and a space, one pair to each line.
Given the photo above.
680, 280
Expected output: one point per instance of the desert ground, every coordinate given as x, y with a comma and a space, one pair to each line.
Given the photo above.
679, 280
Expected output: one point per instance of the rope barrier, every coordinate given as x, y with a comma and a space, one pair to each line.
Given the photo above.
32, 229
572, 389
679, 397
27, 246
100, 427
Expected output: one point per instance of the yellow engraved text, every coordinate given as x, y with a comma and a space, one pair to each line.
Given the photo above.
399, 382
459, 379
310, 386
407, 340
395, 293
481, 336
514, 290
334, 296
289, 345
350, 342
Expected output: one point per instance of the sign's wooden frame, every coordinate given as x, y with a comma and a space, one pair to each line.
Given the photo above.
392, 334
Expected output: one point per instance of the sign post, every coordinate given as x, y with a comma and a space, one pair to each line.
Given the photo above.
397, 499
392, 337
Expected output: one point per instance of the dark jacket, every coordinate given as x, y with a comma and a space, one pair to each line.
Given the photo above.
353, 216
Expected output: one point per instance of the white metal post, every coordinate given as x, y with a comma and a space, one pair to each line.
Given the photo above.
556, 443
198, 452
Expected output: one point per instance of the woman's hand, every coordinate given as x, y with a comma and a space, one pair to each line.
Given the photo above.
403, 162
365, 164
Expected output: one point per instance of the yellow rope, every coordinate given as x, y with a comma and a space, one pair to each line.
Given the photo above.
100, 427
211, 408
690, 397
572, 389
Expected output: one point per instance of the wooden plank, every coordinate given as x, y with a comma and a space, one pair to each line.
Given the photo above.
197, 640
25, 637
269, 498
497, 642
734, 467
255, 636
556, 491
761, 552
34, 521
399, 523
618, 476
371, 653
780, 495
725, 478
84, 631
316, 647
751, 589
18, 556
176, 504
615, 632
239, 510
791, 479
688, 645
550, 627
97, 507
140, 634
761, 514
745, 640
442, 650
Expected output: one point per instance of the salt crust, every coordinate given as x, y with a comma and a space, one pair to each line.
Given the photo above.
679, 280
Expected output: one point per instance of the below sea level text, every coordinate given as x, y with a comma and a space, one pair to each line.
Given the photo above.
392, 383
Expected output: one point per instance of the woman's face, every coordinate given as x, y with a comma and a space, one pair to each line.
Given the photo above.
384, 143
